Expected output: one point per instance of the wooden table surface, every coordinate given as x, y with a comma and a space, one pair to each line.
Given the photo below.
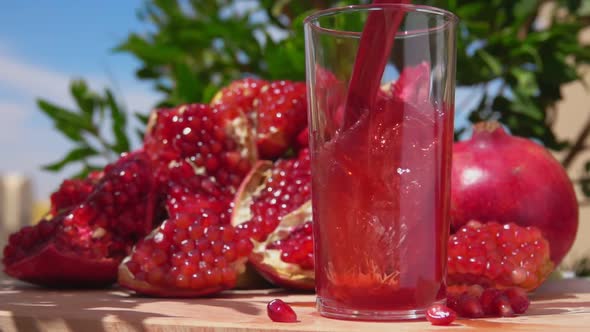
558, 306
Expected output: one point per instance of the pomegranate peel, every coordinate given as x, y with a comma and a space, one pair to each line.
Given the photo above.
239, 129
127, 280
73, 271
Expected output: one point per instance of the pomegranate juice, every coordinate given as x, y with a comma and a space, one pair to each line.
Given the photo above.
381, 200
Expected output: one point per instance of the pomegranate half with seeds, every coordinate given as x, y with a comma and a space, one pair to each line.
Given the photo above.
276, 111
273, 206
202, 154
82, 245
500, 256
72, 192
239, 97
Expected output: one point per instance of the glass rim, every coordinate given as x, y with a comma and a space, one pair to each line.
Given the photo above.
450, 18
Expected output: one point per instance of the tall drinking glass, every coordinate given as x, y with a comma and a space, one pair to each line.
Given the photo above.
381, 158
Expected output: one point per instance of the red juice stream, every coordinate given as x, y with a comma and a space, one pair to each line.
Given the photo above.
380, 198
375, 44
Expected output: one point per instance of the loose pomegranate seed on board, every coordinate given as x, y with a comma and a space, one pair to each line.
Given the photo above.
280, 311
439, 314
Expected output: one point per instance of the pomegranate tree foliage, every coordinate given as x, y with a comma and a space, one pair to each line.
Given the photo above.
513, 61
86, 127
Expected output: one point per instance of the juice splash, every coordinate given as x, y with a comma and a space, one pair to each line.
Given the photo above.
380, 192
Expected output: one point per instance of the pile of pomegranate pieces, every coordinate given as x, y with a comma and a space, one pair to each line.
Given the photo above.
161, 220
217, 186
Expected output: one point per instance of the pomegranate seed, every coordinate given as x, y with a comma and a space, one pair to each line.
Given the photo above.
502, 306
279, 311
491, 302
488, 296
469, 306
518, 298
439, 314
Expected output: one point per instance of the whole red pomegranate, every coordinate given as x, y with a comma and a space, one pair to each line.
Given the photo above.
503, 178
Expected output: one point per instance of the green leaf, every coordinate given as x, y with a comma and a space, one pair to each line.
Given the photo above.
149, 52
492, 62
524, 8
77, 154
585, 186
527, 53
64, 117
526, 82
188, 87
584, 9
72, 132
210, 92
119, 124
143, 118
85, 100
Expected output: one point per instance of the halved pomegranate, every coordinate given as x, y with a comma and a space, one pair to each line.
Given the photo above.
72, 192
277, 111
202, 156
239, 97
496, 255
186, 257
273, 206
282, 114
219, 147
82, 246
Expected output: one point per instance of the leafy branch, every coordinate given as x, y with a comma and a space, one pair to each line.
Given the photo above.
85, 127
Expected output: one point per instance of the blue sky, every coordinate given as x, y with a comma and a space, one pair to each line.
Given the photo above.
43, 44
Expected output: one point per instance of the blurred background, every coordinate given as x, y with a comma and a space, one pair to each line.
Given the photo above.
77, 80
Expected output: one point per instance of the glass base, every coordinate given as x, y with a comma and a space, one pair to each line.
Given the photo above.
330, 309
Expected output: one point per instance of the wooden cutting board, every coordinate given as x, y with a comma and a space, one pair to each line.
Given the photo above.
558, 306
